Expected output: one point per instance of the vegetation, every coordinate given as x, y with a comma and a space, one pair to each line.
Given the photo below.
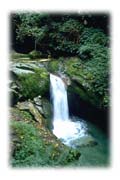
28, 149
57, 35
74, 45
31, 85
92, 73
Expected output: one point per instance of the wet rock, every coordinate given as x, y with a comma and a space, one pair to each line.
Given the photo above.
47, 109
38, 101
87, 140
20, 68
43, 106
40, 109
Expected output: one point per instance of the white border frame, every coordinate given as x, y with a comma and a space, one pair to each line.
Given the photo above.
112, 7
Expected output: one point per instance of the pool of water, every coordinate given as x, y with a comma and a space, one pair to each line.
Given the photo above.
95, 154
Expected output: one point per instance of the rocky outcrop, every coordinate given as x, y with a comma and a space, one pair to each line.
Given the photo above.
30, 138
31, 79
83, 79
27, 105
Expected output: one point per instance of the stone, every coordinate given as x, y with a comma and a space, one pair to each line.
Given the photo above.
28, 105
38, 117
20, 68
40, 109
38, 101
31, 80
46, 108
86, 140
14, 96
23, 105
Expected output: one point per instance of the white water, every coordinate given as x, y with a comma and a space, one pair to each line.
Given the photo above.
63, 127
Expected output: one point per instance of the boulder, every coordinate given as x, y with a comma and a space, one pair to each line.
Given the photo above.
37, 100
31, 79
38, 117
28, 105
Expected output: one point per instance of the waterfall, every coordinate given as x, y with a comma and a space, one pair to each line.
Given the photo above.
63, 127
59, 96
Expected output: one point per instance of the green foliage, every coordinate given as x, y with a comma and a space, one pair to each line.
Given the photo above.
53, 66
57, 34
61, 36
15, 55
91, 71
28, 149
34, 84
29, 24
72, 27
93, 36
98, 67
65, 36
35, 54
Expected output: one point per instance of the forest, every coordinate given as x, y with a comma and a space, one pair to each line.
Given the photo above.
59, 80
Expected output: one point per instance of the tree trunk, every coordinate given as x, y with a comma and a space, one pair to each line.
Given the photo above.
35, 44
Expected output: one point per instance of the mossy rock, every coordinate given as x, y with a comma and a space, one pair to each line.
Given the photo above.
35, 54
15, 56
32, 85
87, 140
46, 108
90, 79
33, 146
53, 66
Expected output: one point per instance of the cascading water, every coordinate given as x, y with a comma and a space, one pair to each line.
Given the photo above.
63, 127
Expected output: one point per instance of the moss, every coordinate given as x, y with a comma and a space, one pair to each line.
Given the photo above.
90, 78
14, 55
19, 115
31, 146
53, 66
32, 85
35, 54
26, 145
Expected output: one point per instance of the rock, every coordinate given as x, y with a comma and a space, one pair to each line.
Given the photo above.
53, 66
28, 105
38, 117
38, 101
35, 54
82, 81
32, 79
47, 109
44, 107
14, 96
45, 60
22, 68
40, 109
14, 92
66, 79
14, 86
87, 140
38, 104
23, 105
16, 56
